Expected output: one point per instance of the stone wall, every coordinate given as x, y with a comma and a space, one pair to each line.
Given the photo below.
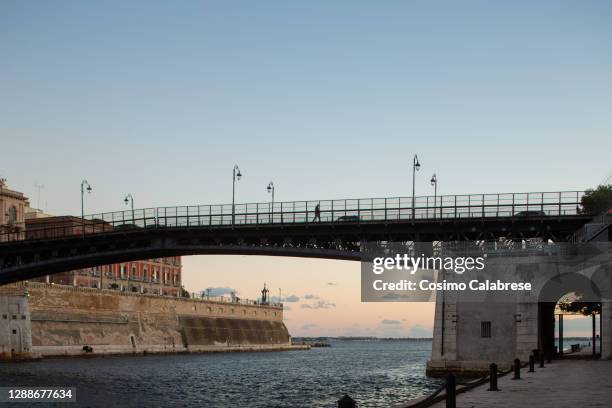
15, 335
76, 321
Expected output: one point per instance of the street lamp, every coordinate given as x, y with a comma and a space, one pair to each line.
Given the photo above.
129, 199
83, 184
416, 166
434, 182
270, 189
237, 175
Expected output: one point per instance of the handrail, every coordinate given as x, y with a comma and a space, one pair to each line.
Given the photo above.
604, 218
535, 205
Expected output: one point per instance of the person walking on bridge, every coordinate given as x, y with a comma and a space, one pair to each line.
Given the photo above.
317, 213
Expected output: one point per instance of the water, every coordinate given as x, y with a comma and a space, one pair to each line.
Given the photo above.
375, 373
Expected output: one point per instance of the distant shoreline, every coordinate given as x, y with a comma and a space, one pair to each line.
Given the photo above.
357, 338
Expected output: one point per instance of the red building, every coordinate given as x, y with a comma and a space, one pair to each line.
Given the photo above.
160, 276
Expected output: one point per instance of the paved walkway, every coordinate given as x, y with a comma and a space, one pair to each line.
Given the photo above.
563, 383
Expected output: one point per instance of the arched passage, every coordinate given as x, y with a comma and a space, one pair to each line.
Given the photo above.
557, 288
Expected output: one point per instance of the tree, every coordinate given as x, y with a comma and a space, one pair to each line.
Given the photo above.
183, 292
584, 308
596, 201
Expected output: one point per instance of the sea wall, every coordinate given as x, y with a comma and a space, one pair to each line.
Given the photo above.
82, 321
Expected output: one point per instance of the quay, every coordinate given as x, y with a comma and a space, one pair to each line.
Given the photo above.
565, 382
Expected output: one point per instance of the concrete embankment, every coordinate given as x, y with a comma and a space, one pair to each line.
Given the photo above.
65, 321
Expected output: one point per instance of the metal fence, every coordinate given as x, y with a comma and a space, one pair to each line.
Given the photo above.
364, 210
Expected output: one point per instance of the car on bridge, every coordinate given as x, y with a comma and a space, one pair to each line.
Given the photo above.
348, 218
533, 213
123, 227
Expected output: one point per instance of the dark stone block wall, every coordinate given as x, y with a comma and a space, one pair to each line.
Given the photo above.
197, 330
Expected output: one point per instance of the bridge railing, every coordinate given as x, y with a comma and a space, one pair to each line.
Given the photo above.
390, 209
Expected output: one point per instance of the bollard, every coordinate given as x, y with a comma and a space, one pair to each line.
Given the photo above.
548, 357
531, 363
451, 391
541, 360
493, 377
347, 402
517, 369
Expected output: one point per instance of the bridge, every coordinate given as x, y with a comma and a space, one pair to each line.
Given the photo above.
336, 231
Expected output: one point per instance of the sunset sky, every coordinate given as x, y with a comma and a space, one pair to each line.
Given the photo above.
321, 297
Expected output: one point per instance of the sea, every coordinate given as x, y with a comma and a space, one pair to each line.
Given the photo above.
375, 373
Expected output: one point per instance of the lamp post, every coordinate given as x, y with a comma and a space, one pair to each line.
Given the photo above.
236, 176
83, 184
129, 199
415, 167
270, 189
434, 182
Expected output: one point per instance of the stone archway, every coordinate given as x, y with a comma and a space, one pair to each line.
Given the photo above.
557, 288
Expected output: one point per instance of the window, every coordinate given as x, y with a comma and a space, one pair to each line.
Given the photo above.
122, 271
12, 215
485, 329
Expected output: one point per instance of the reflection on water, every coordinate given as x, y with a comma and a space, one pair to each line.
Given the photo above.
375, 373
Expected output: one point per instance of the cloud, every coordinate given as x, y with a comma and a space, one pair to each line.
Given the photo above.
311, 297
332, 283
393, 322
286, 299
291, 298
321, 304
310, 326
218, 291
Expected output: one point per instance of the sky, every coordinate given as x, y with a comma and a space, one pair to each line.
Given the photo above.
326, 99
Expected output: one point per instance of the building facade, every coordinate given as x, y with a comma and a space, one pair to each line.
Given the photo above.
13, 205
158, 276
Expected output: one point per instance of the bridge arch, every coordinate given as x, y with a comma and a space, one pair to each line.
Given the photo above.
99, 258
